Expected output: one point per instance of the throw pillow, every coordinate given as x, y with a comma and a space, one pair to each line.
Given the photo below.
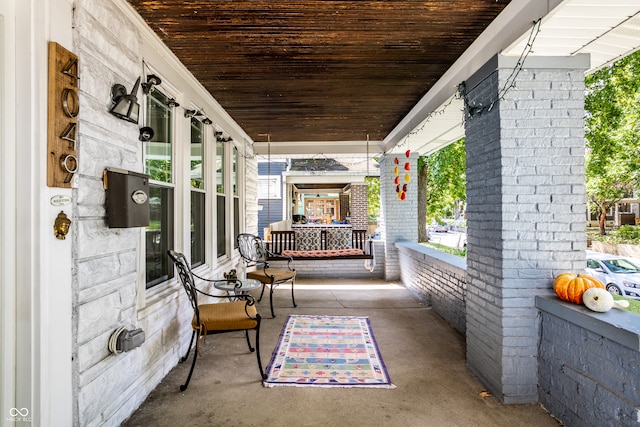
307, 240
338, 239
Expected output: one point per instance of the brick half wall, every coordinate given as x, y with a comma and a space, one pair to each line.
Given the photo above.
438, 279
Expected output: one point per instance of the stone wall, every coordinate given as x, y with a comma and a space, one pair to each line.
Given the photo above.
108, 268
588, 365
437, 278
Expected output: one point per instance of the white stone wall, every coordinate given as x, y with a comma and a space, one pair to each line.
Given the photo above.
108, 274
525, 213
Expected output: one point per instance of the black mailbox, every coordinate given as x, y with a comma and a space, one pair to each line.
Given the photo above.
127, 198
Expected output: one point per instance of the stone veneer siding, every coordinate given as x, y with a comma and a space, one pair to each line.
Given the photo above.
525, 213
438, 279
398, 219
108, 388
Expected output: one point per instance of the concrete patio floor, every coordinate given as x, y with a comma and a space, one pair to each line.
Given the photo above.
425, 358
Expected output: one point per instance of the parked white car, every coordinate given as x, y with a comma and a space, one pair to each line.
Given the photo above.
620, 275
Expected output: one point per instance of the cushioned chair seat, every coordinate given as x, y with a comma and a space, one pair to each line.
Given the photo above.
255, 255
227, 316
279, 275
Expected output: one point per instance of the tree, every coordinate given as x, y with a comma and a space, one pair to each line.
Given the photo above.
373, 195
442, 184
612, 103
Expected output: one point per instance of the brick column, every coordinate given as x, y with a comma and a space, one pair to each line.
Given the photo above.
344, 206
359, 206
398, 218
525, 213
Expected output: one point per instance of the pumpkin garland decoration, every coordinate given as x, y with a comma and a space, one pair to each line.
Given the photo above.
570, 287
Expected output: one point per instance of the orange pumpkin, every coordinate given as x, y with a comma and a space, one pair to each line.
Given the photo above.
570, 286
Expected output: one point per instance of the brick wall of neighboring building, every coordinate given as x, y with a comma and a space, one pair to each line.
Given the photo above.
359, 206
344, 206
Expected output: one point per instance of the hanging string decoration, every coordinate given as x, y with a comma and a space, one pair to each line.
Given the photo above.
402, 189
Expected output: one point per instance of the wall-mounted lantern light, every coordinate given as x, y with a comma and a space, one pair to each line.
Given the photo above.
125, 106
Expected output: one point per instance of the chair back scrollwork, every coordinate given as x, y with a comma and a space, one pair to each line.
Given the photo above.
252, 249
187, 279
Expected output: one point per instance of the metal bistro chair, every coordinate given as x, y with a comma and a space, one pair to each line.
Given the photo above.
238, 315
254, 254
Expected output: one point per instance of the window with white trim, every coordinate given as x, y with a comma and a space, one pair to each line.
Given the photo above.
159, 166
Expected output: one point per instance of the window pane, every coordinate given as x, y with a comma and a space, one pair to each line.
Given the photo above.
221, 221
197, 228
236, 219
197, 154
220, 167
235, 171
159, 235
159, 150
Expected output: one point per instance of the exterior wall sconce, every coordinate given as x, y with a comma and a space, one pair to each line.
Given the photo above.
197, 113
125, 106
152, 80
146, 133
192, 113
172, 103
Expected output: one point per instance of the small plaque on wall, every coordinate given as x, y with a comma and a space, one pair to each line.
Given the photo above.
64, 107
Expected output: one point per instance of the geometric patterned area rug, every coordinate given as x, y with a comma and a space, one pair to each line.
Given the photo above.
327, 351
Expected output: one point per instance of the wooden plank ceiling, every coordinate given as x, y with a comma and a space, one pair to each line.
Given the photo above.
313, 71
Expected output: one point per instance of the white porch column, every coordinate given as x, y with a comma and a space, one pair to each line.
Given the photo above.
398, 218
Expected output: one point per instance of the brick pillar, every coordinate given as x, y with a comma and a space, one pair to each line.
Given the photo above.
344, 206
359, 206
525, 211
398, 218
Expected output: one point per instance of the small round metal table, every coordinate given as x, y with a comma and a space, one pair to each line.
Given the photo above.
237, 286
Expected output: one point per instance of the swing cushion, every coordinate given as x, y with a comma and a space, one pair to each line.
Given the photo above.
323, 253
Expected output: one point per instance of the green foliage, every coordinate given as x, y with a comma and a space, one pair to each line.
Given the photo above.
446, 179
634, 304
612, 132
447, 249
159, 170
373, 194
629, 234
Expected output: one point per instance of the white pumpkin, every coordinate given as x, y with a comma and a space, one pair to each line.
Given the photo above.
600, 300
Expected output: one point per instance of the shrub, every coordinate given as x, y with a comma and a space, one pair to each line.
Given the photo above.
629, 234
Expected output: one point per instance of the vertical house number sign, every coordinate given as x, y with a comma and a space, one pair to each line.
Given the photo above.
64, 107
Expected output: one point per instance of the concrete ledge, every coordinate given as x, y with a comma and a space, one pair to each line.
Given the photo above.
433, 253
619, 326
